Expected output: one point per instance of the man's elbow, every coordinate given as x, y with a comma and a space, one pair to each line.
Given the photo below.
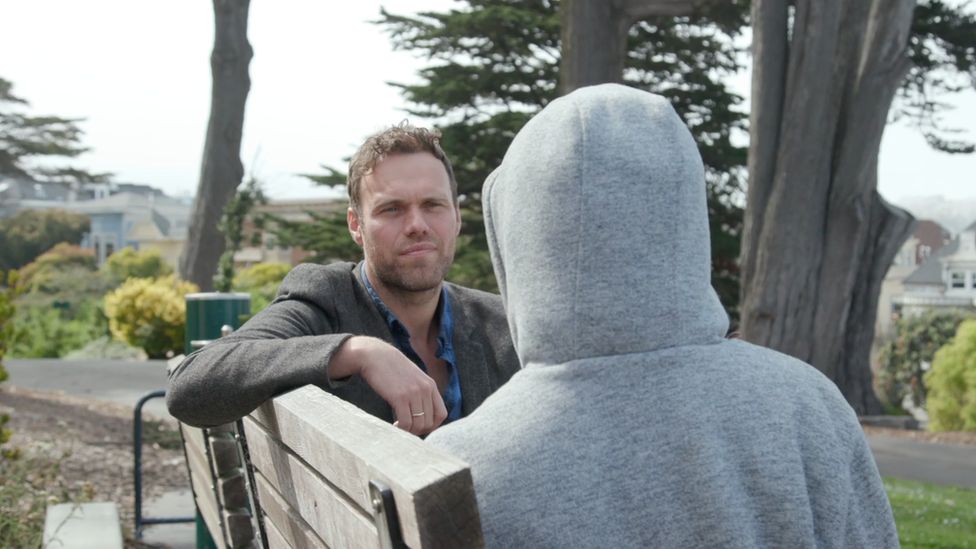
184, 398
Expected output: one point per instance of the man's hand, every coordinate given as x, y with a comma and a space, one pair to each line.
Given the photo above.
411, 393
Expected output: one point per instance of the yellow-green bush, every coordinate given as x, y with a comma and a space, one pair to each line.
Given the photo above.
150, 313
261, 281
131, 263
38, 275
952, 383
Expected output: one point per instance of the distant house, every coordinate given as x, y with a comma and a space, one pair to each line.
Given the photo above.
128, 219
121, 214
945, 280
927, 239
18, 194
270, 250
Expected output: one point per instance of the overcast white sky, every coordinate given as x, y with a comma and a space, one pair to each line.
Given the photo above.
139, 74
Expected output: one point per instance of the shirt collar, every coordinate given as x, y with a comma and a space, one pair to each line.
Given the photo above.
445, 335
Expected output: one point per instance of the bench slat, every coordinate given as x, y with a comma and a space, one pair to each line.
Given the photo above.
202, 479
433, 490
287, 524
329, 512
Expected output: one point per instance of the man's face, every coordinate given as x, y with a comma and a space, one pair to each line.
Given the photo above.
408, 223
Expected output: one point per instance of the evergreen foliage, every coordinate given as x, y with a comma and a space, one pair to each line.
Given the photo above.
942, 47
952, 383
26, 138
905, 359
326, 235
232, 227
493, 64
261, 281
29, 233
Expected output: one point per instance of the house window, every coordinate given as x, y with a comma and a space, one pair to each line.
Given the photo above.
957, 279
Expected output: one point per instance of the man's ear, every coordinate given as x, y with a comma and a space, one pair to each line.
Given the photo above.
457, 215
355, 227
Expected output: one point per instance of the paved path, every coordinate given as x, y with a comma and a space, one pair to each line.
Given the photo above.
119, 381
949, 464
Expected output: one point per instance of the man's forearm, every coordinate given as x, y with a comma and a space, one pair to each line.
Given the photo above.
229, 378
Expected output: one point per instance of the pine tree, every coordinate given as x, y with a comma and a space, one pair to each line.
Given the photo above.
26, 138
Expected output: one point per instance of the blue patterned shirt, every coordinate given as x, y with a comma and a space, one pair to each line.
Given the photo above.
445, 345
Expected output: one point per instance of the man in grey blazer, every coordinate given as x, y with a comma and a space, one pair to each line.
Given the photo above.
387, 334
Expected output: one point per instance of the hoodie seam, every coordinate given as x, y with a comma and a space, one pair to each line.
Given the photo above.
580, 173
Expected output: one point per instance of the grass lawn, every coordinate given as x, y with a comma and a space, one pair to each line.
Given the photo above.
929, 515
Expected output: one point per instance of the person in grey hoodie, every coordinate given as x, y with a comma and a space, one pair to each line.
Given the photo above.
635, 422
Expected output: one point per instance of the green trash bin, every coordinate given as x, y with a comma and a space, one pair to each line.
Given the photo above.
207, 314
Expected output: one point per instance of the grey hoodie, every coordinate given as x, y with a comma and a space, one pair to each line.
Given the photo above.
634, 422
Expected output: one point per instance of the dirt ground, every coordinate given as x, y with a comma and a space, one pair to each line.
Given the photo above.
95, 439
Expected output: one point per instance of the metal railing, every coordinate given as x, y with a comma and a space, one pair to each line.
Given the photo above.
140, 520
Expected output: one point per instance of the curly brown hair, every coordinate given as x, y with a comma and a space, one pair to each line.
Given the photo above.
403, 138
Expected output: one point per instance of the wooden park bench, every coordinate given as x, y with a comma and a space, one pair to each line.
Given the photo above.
320, 472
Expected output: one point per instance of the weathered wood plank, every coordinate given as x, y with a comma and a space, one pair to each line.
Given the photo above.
194, 440
275, 540
288, 524
329, 512
202, 480
433, 490
207, 505
197, 464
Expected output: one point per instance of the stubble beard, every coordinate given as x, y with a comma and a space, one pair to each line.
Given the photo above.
409, 279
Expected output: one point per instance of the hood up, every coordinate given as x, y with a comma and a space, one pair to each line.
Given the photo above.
598, 230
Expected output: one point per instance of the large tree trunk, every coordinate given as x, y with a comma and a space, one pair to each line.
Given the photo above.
594, 37
818, 238
221, 171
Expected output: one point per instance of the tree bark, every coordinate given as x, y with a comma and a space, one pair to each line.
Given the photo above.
221, 171
818, 238
594, 37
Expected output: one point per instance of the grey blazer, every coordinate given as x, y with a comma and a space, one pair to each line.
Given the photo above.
289, 345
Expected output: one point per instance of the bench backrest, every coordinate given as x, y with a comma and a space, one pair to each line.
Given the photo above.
320, 467
219, 482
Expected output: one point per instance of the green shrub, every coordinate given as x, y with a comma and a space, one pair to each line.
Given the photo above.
150, 313
905, 359
131, 263
261, 281
29, 233
952, 383
59, 310
52, 329
38, 276
8, 290
106, 348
